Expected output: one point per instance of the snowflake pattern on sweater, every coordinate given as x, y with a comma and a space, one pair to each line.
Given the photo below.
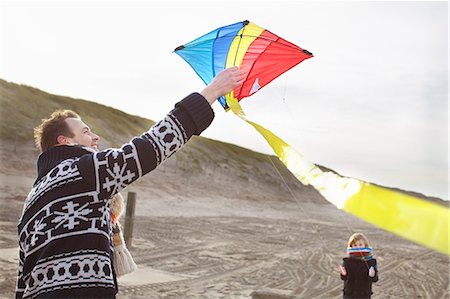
65, 247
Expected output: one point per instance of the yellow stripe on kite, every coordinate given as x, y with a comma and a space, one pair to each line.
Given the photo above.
239, 47
418, 220
240, 44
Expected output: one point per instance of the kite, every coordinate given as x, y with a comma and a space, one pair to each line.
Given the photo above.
263, 56
244, 44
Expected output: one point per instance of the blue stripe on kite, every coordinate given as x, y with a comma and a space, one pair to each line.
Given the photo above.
222, 100
198, 53
199, 58
222, 44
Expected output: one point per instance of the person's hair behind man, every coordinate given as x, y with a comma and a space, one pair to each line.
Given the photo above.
46, 134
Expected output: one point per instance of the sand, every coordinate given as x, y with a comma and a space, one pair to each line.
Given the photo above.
204, 244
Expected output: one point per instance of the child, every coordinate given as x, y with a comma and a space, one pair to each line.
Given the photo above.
359, 269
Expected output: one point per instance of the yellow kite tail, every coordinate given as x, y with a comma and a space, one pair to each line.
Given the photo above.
415, 219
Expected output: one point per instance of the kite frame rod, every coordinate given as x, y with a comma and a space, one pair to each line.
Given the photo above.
242, 35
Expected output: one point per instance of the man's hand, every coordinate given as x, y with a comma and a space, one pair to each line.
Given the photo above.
342, 270
223, 83
371, 272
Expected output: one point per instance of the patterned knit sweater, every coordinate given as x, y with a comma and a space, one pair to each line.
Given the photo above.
65, 248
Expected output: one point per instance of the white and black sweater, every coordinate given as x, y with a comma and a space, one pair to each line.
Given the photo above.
65, 248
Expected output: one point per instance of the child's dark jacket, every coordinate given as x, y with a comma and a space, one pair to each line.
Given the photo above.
357, 282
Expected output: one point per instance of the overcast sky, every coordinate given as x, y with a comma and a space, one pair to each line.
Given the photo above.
371, 104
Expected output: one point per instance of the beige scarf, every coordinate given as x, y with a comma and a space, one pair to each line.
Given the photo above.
123, 261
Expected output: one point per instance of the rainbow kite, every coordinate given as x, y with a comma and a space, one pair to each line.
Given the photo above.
254, 49
262, 56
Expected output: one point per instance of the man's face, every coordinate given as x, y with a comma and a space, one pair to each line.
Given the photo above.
83, 135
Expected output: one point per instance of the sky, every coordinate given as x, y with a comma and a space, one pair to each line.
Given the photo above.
371, 104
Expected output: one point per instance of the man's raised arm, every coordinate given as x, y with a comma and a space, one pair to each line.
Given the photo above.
114, 169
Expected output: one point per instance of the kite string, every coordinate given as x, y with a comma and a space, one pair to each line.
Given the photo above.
237, 110
243, 118
294, 197
298, 203
315, 226
292, 119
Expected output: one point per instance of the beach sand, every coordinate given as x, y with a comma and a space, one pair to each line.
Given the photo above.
196, 242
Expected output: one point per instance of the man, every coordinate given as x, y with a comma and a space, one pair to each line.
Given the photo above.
65, 248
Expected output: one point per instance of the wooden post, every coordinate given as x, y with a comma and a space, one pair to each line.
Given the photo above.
15, 144
129, 218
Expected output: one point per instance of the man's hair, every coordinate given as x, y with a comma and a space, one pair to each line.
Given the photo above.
358, 237
46, 134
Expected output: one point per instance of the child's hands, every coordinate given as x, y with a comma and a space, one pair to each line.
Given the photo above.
371, 272
342, 270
